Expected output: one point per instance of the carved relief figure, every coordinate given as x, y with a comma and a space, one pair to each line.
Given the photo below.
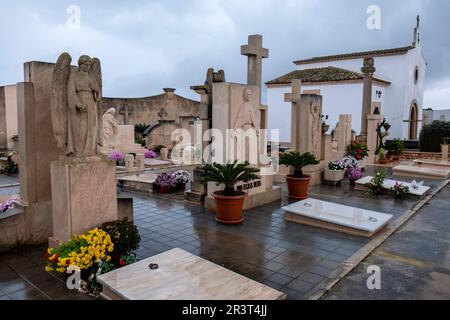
315, 130
75, 101
110, 129
247, 117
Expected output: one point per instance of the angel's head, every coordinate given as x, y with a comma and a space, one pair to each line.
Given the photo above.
85, 63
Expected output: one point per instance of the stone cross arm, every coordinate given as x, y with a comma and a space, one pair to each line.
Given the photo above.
254, 50
254, 47
296, 94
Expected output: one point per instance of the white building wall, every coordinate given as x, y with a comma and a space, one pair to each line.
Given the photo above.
398, 96
337, 99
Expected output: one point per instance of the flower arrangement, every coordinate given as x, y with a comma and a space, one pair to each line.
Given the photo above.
8, 204
375, 186
150, 154
182, 176
10, 167
337, 165
350, 162
166, 180
358, 150
116, 156
400, 190
354, 174
84, 251
125, 237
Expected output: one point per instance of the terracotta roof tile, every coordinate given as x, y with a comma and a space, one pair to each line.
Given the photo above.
356, 55
325, 74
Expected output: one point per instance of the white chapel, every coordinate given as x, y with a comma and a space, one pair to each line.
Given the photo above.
397, 88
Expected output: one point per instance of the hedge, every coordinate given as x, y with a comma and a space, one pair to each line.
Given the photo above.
432, 134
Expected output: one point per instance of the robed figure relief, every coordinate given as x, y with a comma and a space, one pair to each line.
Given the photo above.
110, 129
76, 102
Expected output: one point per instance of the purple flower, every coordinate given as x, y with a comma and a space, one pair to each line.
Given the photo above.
150, 154
354, 173
166, 180
5, 206
116, 156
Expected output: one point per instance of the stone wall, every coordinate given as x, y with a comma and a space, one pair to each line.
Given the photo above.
149, 110
413, 155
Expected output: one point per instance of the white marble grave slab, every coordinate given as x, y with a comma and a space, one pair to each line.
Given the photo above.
389, 184
337, 217
146, 177
182, 276
418, 171
156, 163
432, 163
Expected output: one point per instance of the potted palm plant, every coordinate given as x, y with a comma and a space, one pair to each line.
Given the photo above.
229, 202
298, 183
395, 148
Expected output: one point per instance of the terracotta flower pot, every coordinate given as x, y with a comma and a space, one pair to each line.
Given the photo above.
229, 208
298, 187
164, 189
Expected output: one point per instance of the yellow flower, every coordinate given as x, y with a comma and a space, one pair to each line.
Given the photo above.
48, 269
61, 270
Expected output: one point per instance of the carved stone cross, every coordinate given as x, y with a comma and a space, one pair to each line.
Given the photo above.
255, 53
126, 114
295, 95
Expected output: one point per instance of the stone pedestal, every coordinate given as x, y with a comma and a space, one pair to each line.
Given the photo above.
444, 148
84, 196
373, 120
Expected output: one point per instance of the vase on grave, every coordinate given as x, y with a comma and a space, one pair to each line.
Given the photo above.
334, 176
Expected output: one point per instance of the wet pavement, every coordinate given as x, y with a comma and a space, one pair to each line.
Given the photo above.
286, 256
414, 262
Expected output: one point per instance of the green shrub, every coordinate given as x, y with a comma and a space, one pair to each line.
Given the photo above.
124, 235
395, 147
431, 136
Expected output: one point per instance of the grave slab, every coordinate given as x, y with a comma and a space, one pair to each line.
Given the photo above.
421, 172
432, 163
138, 182
336, 217
181, 276
152, 163
389, 184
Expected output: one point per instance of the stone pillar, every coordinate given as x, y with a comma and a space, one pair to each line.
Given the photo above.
255, 53
444, 148
294, 97
84, 196
129, 162
140, 162
368, 70
37, 149
309, 130
3, 129
373, 121
344, 134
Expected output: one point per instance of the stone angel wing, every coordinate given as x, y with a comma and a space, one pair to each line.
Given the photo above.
59, 104
96, 74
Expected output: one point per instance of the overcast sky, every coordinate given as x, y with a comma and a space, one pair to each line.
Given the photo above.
145, 46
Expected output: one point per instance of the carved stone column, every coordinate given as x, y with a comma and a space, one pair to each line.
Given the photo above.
368, 70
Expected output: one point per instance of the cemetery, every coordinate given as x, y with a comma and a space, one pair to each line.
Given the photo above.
167, 198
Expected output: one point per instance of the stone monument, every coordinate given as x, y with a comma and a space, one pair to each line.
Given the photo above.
237, 113
83, 182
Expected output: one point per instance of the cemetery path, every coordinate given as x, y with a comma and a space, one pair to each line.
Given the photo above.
414, 262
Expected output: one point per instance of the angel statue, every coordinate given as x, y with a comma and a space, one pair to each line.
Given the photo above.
75, 106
